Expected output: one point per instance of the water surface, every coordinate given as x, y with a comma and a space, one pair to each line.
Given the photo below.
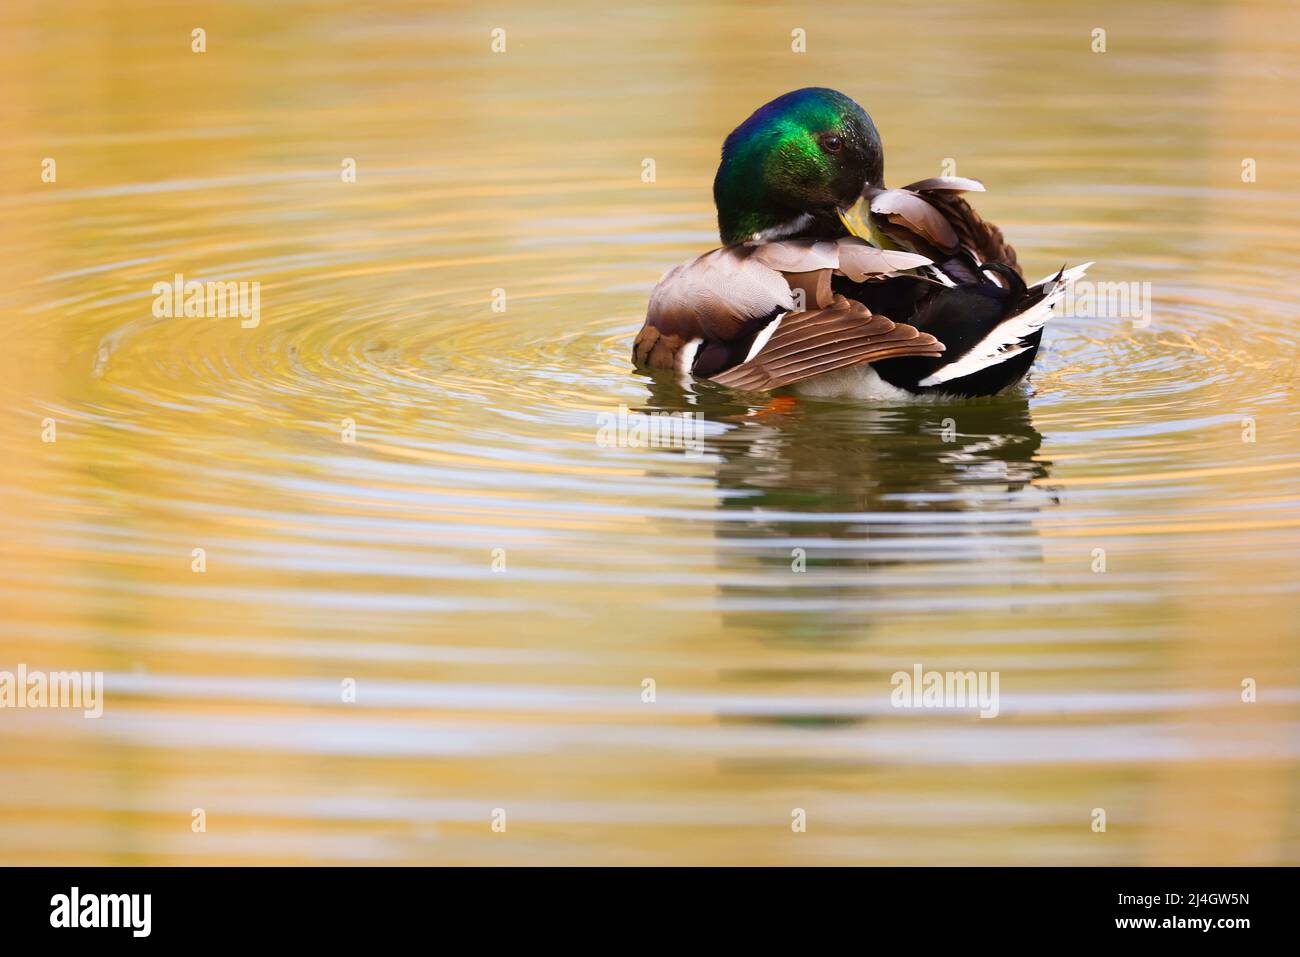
497, 584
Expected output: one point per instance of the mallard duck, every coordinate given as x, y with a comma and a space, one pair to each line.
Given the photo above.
837, 286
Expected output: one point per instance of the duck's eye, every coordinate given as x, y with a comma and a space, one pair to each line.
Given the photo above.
832, 143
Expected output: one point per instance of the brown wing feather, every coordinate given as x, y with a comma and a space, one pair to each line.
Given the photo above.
713, 297
954, 184
716, 295
907, 211
815, 286
973, 231
655, 349
852, 256
728, 294
808, 344
932, 217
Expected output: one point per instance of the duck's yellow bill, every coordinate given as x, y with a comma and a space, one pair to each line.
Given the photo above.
856, 220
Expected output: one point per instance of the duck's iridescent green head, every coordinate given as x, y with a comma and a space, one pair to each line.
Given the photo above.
788, 168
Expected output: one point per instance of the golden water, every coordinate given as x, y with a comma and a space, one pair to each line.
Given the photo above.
521, 688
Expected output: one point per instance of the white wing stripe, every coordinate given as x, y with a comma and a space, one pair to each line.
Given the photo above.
686, 357
760, 340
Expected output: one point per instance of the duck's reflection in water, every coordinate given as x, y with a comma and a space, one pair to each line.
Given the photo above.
835, 516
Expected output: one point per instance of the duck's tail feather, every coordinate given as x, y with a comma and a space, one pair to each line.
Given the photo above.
1015, 334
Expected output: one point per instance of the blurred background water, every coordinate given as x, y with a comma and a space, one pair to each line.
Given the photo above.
520, 688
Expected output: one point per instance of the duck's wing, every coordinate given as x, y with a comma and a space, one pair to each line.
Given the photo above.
802, 345
763, 316
930, 217
721, 299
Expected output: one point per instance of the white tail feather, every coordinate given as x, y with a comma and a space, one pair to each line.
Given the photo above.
1007, 338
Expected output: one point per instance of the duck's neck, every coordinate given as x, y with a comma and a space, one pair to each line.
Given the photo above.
761, 223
